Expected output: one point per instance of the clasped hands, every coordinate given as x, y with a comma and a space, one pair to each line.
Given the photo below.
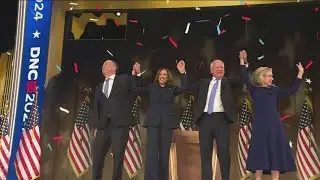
181, 66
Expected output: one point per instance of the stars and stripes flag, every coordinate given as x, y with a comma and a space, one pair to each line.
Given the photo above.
133, 157
307, 159
186, 123
79, 150
27, 161
244, 136
4, 144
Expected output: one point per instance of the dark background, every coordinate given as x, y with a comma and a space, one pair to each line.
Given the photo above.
289, 33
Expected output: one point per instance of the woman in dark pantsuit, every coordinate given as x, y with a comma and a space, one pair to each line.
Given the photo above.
161, 120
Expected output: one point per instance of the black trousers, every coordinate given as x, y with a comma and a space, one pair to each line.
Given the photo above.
118, 137
214, 126
158, 151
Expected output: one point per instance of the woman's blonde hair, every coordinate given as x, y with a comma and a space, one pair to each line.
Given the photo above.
258, 74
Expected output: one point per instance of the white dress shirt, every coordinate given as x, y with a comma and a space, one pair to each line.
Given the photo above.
111, 79
217, 106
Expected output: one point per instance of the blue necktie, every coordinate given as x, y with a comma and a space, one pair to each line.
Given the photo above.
212, 96
106, 87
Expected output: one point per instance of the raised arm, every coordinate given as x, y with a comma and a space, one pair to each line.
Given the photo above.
244, 73
295, 87
136, 80
181, 66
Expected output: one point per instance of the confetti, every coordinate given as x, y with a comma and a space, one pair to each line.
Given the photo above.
64, 110
99, 7
173, 42
110, 53
198, 9
308, 81
205, 20
56, 138
309, 64
316, 9
73, 4
95, 20
218, 27
290, 143
285, 117
58, 67
223, 31
49, 147
245, 18
143, 72
261, 42
200, 65
75, 65
133, 21
260, 57
187, 28
139, 44
164, 37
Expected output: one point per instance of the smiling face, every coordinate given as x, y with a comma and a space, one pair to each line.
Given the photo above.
217, 69
163, 77
267, 78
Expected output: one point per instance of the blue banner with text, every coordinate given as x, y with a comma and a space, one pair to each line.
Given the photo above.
26, 150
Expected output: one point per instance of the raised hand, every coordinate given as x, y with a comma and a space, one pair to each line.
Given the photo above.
181, 66
300, 68
136, 69
243, 57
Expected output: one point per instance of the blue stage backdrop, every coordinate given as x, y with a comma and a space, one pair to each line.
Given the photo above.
33, 75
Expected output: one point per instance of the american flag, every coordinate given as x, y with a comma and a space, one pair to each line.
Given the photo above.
307, 159
133, 158
244, 136
187, 117
4, 146
79, 151
27, 161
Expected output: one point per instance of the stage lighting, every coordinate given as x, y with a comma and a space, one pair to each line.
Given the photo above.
118, 14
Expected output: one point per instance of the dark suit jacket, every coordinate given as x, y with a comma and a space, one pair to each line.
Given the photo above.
117, 108
227, 97
161, 105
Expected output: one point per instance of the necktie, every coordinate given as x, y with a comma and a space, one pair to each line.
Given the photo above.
106, 87
212, 96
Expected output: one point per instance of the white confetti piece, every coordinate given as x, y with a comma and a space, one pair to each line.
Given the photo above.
205, 20
143, 72
198, 9
64, 110
49, 147
260, 57
73, 4
218, 27
261, 42
95, 20
164, 37
110, 53
290, 144
187, 28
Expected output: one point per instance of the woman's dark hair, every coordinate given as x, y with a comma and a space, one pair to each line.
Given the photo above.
156, 80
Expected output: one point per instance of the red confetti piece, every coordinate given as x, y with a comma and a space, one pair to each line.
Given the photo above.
223, 31
55, 138
133, 21
99, 7
309, 64
285, 117
173, 42
316, 9
245, 18
117, 23
139, 44
75, 65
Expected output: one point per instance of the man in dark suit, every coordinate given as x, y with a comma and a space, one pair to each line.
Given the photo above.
111, 117
214, 112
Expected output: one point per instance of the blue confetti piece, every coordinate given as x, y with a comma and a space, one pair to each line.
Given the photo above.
260, 57
261, 42
58, 67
